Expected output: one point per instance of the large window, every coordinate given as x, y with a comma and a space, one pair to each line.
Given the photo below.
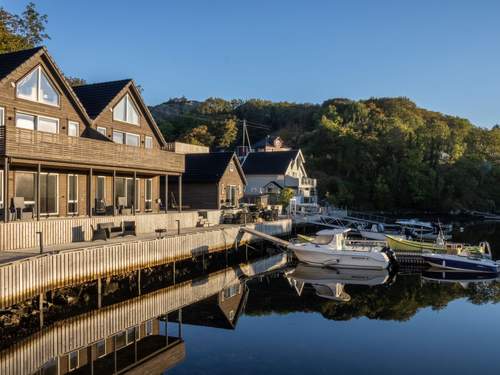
26, 187
37, 87
231, 196
148, 142
124, 188
2, 116
100, 348
31, 122
1, 189
100, 193
148, 195
137, 194
73, 129
72, 194
126, 138
73, 360
126, 111
49, 193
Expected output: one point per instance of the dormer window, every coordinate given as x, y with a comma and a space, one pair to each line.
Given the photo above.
36, 86
126, 111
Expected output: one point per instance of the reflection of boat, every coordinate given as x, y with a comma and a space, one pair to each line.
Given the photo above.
329, 283
463, 278
329, 248
463, 262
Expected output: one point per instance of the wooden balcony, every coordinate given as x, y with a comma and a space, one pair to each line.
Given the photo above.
34, 145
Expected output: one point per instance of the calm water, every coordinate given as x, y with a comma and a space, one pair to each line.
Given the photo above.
266, 315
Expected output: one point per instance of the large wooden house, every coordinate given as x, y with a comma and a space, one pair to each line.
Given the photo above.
83, 151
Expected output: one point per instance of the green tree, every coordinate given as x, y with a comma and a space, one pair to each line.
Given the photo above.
24, 31
285, 195
199, 136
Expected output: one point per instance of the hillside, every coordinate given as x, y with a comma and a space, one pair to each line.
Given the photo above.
380, 153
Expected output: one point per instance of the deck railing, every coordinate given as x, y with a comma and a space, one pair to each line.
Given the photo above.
29, 144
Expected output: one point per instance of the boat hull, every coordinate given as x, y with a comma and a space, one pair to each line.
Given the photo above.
377, 236
398, 244
460, 263
327, 257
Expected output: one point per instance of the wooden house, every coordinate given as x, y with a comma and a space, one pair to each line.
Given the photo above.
270, 172
212, 181
82, 151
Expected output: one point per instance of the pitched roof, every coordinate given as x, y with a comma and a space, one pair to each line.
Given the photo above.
95, 97
268, 162
208, 167
11, 60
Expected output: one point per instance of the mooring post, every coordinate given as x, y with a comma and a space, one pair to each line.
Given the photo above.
40, 241
40, 306
178, 226
99, 293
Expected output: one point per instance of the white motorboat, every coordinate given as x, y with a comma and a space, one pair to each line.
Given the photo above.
329, 249
379, 232
329, 283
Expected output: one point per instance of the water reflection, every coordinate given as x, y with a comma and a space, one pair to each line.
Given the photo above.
329, 283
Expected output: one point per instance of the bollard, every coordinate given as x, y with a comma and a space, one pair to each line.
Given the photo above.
40, 241
178, 226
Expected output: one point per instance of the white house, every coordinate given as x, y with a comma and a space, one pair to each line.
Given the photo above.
270, 172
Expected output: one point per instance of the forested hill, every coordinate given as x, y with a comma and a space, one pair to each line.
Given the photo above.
381, 154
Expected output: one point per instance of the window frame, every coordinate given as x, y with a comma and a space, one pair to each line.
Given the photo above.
2, 116
127, 98
1, 188
72, 123
17, 173
105, 130
105, 348
137, 201
103, 187
68, 201
148, 327
124, 137
56, 213
36, 120
148, 139
38, 83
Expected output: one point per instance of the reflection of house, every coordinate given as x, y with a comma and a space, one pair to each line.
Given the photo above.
212, 180
222, 310
93, 149
144, 345
270, 172
270, 143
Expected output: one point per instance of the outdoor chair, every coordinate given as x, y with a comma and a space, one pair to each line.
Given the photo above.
17, 208
98, 233
129, 228
121, 203
100, 207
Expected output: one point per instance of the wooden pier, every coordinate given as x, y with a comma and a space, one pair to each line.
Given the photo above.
68, 335
25, 278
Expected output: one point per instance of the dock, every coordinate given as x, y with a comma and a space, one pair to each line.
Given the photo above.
33, 275
265, 236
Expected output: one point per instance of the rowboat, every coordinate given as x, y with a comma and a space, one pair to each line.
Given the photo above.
402, 245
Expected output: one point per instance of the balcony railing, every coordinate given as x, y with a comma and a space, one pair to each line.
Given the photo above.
29, 144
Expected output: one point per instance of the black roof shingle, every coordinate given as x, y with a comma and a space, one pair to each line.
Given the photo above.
268, 162
95, 97
11, 60
208, 167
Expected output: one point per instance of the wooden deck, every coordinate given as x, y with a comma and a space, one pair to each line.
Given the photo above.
64, 336
28, 277
19, 235
80, 152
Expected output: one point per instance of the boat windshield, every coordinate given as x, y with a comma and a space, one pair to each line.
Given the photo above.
323, 239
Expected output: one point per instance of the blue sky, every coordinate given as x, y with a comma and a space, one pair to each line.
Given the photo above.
444, 55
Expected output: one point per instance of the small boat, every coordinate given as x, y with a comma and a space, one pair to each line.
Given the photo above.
424, 230
329, 249
463, 262
329, 283
438, 247
378, 232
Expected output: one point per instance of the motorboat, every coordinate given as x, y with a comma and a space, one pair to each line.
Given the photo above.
463, 262
329, 283
378, 232
330, 248
424, 230
439, 247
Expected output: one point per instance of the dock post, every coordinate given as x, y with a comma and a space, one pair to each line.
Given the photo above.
40, 306
179, 318
99, 293
139, 281
178, 227
40, 241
